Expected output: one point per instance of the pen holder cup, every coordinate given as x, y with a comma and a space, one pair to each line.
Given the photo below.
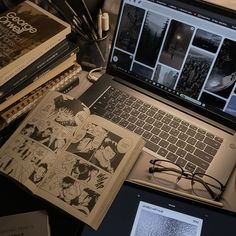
93, 54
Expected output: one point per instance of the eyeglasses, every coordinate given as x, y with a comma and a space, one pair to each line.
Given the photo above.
202, 185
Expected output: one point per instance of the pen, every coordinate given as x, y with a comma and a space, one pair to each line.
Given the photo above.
99, 26
84, 23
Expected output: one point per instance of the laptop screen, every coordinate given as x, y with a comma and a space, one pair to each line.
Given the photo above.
181, 50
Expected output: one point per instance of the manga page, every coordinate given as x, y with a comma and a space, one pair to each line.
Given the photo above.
32, 150
75, 160
91, 169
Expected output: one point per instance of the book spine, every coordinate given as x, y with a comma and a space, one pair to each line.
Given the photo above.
31, 70
63, 82
65, 55
46, 77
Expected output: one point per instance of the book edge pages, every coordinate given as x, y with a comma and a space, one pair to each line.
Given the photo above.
55, 71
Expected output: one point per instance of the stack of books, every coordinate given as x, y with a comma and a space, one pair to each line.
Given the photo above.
36, 55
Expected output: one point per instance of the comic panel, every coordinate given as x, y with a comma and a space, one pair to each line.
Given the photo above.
23, 157
46, 133
83, 171
68, 112
109, 155
71, 192
87, 141
100, 147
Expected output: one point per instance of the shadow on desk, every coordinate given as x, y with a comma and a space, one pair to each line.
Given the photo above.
15, 200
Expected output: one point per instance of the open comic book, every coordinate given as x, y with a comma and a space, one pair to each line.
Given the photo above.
73, 159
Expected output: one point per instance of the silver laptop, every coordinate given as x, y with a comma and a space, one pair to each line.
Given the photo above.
171, 78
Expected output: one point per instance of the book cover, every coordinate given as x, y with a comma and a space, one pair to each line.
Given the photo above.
26, 33
25, 224
65, 155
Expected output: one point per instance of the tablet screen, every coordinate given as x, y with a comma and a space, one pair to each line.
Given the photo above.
140, 211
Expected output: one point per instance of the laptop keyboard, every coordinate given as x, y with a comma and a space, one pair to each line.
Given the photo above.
177, 140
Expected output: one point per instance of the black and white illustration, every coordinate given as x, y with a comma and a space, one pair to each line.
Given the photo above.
68, 112
46, 133
22, 159
71, 191
153, 220
82, 170
100, 147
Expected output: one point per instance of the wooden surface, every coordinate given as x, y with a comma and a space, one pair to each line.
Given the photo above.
226, 3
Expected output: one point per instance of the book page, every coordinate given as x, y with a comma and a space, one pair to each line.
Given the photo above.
32, 150
89, 172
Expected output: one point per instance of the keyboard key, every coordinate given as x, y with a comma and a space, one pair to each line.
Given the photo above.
212, 143
172, 139
181, 162
162, 152
191, 132
180, 152
172, 148
203, 155
155, 130
139, 130
147, 135
163, 135
171, 156
131, 126
155, 139
152, 146
190, 148
180, 144
191, 140
200, 145
163, 143
190, 167
124, 123
197, 161
199, 136
210, 150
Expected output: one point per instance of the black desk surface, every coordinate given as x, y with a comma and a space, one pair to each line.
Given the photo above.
15, 200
